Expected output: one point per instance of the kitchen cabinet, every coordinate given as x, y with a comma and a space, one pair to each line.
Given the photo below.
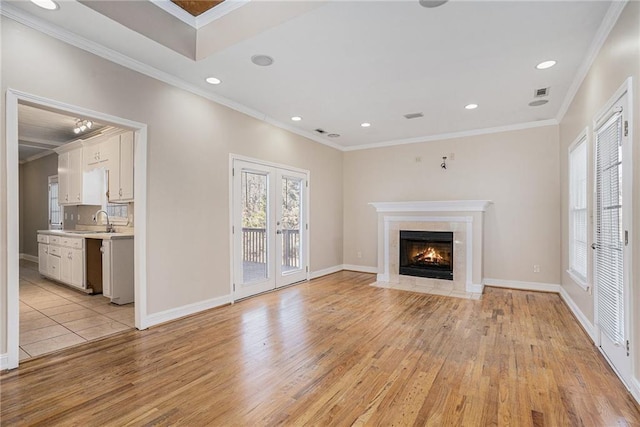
97, 152
72, 267
43, 258
76, 187
62, 258
118, 270
121, 168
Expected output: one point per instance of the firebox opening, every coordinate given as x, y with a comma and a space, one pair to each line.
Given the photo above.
426, 254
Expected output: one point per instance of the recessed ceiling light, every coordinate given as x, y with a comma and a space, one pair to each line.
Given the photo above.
333, 135
471, 106
46, 4
546, 64
213, 81
431, 3
365, 125
296, 118
538, 103
262, 60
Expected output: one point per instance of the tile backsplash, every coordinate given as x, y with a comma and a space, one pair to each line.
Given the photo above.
82, 218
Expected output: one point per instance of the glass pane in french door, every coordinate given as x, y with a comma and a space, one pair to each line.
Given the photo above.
290, 223
255, 251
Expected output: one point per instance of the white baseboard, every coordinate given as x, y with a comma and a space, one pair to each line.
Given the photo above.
586, 324
525, 286
635, 389
360, 268
4, 361
29, 257
336, 268
185, 310
325, 271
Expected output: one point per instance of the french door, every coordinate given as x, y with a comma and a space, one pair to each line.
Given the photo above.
611, 242
269, 227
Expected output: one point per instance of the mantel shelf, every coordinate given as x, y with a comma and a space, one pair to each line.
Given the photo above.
433, 206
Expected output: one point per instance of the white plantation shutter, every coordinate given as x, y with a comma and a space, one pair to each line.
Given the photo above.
609, 241
578, 210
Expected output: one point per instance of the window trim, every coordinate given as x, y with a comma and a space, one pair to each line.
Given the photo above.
582, 138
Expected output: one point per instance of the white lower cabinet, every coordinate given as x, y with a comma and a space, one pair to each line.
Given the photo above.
43, 258
72, 267
118, 270
53, 266
62, 259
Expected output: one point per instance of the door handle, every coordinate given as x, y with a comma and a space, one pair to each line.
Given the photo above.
594, 246
278, 232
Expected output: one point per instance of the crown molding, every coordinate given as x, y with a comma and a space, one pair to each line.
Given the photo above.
203, 19
609, 21
218, 12
22, 17
45, 153
443, 136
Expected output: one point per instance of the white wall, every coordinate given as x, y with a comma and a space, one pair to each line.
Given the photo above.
618, 59
517, 170
189, 142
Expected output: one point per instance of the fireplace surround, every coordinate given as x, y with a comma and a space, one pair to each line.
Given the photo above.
463, 218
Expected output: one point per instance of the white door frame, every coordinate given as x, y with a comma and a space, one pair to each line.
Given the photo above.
307, 249
627, 215
11, 223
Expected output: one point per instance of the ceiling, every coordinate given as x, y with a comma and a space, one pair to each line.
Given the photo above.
41, 131
338, 64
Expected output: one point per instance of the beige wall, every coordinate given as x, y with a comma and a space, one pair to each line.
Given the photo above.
618, 59
516, 170
34, 200
190, 139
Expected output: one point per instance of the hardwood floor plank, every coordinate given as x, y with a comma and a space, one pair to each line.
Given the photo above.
334, 351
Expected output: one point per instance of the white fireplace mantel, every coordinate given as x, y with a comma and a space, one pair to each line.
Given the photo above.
463, 217
433, 206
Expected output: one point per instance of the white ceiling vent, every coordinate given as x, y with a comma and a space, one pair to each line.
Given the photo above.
413, 115
540, 93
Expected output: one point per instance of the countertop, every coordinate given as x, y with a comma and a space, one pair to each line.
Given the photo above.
87, 234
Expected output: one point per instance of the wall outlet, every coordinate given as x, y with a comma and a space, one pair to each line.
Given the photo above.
359, 254
418, 159
66, 216
536, 268
452, 156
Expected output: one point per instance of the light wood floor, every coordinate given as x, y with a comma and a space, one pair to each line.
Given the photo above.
334, 351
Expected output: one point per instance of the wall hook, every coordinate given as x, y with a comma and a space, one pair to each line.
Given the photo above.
443, 165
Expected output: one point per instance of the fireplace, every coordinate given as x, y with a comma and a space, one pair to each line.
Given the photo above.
426, 254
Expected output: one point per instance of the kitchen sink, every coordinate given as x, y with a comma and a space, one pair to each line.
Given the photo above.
83, 231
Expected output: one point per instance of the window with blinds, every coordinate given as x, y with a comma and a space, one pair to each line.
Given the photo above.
578, 230
609, 234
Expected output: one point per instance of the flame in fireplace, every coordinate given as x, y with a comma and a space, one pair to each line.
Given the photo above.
430, 255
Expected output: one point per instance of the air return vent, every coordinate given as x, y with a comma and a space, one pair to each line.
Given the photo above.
540, 93
413, 115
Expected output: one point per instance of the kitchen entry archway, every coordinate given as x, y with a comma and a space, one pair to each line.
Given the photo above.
11, 256
269, 229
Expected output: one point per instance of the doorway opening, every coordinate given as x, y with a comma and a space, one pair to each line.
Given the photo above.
15, 266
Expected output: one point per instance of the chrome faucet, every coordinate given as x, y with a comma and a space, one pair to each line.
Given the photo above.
109, 226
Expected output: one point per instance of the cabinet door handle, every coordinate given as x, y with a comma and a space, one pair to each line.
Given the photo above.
121, 191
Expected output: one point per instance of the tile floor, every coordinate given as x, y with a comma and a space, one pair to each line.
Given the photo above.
54, 316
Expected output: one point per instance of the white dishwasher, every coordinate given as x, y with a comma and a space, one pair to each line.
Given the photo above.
117, 270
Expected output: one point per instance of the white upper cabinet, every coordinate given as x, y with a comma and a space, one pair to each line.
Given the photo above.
98, 152
75, 186
121, 169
